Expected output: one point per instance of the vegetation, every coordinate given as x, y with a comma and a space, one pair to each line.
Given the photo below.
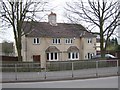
55, 66
21, 67
15, 12
118, 47
100, 14
112, 45
77, 65
7, 48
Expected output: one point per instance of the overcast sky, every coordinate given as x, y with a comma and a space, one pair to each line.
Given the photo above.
58, 6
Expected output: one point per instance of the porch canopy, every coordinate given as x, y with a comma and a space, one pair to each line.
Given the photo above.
52, 49
73, 49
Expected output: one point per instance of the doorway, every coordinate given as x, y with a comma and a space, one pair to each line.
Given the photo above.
36, 58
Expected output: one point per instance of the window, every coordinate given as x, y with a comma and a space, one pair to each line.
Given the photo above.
90, 55
89, 40
52, 56
73, 55
36, 41
68, 41
47, 56
56, 41
56, 56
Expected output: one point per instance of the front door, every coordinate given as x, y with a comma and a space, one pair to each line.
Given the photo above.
36, 58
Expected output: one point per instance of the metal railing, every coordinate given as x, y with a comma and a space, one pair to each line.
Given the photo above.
59, 70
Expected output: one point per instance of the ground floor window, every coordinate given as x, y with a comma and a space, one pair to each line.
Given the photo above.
73, 55
53, 56
90, 55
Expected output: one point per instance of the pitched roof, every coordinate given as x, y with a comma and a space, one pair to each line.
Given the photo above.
62, 30
73, 49
52, 49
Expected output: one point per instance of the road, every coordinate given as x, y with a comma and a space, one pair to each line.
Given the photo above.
106, 82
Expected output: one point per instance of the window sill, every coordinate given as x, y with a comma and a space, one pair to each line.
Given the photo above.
52, 60
73, 59
36, 44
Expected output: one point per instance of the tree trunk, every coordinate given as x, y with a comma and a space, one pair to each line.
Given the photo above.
102, 39
19, 55
19, 47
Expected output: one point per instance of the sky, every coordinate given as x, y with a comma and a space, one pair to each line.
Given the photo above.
58, 8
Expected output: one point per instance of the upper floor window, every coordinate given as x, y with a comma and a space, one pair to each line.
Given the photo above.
68, 41
56, 41
36, 41
89, 40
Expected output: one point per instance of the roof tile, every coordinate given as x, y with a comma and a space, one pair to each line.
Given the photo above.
62, 30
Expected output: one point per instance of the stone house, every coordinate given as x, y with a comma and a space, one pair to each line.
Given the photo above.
52, 41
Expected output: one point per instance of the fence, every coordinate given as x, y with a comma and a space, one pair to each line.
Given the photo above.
58, 70
8, 58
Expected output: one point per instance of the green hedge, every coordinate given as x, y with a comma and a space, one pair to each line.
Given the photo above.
60, 66
55, 66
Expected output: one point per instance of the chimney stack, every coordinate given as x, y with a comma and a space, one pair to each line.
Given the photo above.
52, 19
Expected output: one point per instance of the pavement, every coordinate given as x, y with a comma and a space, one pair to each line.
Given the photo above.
57, 75
105, 82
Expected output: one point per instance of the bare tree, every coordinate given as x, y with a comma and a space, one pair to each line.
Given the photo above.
15, 12
100, 13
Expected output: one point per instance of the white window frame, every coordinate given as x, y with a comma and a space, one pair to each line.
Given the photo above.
50, 58
36, 40
73, 54
89, 40
68, 41
90, 55
56, 41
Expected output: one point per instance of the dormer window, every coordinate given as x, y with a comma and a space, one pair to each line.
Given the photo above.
36, 41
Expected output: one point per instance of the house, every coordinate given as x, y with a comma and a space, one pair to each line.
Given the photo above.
52, 41
98, 45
